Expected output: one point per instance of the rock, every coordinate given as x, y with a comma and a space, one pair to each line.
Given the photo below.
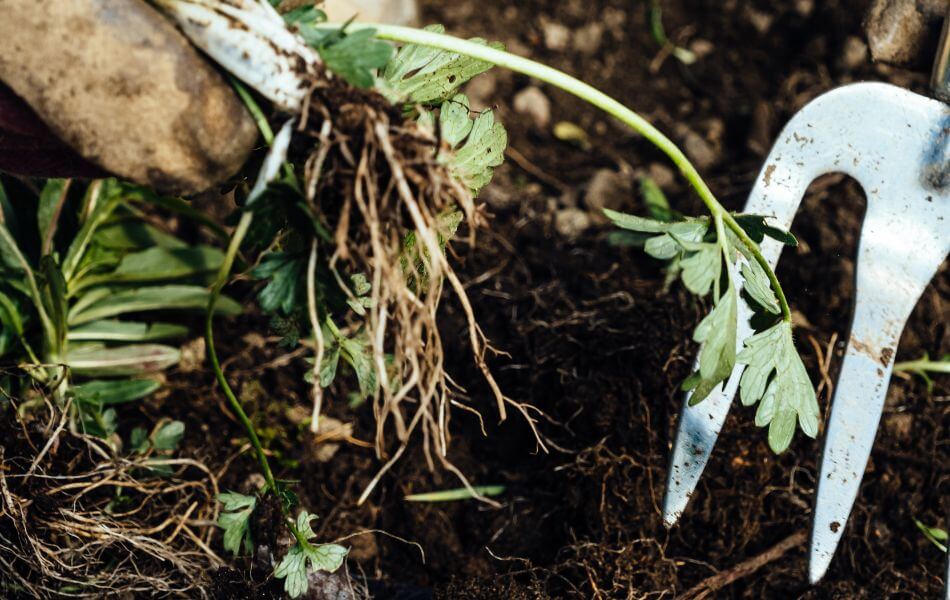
587, 39
661, 175
805, 7
393, 12
899, 425
607, 189
904, 32
700, 152
701, 48
532, 103
481, 91
760, 132
761, 21
556, 36
572, 222
192, 356
854, 54
121, 86
615, 19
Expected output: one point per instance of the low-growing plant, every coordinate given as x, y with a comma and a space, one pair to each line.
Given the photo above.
80, 266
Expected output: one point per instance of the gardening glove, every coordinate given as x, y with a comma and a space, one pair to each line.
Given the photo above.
110, 86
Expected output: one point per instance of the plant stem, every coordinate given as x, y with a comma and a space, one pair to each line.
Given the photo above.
223, 274
592, 96
925, 365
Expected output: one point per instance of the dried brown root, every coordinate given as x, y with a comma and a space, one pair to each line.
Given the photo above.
374, 178
89, 523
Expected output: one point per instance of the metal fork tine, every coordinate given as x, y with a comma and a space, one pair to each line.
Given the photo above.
906, 182
777, 194
889, 283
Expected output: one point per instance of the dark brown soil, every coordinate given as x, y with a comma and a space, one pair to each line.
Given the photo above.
596, 345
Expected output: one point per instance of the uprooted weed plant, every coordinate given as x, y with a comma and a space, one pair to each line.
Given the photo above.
346, 232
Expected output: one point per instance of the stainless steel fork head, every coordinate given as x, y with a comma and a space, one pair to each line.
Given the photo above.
896, 144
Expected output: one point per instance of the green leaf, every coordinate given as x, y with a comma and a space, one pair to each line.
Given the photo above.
53, 290
110, 330
168, 436
758, 229
479, 145
938, 537
357, 56
99, 423
776, 378
700, 269
50, 207
358, 353
456, 494
717, 356
423, 75
138, 440
299, 559
329, 364
133, 234
168, 297
676, 240
234, 520
159, 263
414, 261
109, 196
104, 392
306, 13
759, 288
11, 323
99, 360
657, 204
287, 281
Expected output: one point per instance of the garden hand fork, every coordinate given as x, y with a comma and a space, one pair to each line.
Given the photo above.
896, 144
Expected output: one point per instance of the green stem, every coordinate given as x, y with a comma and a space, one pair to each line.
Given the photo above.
223, 275
924, 365
592, 96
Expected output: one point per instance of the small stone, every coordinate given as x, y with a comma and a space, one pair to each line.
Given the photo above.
761, 21
498, 197
588, 38
760, 132
572, 222
899, 425
614, 18
804, 7
556, 36
853, 54
661, 175
900, 33
607, 189
532, 103
700, 152
481, 91
192, 356
701, 48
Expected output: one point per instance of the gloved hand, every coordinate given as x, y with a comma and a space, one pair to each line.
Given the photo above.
114, 82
